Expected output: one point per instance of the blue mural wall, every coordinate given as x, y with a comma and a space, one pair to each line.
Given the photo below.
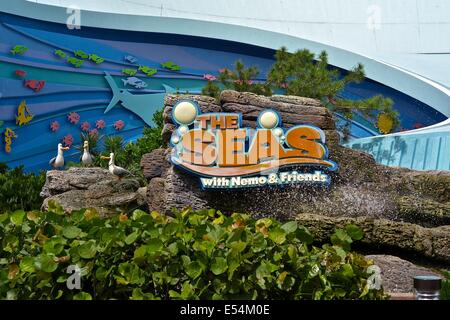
50, 92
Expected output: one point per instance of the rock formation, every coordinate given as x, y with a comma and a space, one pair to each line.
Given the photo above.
78, 188
397, 274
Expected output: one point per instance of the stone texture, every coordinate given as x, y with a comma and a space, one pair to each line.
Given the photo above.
408, 237
398, 274
154, 163
78, 188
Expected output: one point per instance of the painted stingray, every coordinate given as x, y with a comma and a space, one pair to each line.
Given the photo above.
143, 105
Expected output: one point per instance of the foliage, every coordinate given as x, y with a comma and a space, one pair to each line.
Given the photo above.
93, 140
192, 255
304, 76
445, 290
240, 79
19, 190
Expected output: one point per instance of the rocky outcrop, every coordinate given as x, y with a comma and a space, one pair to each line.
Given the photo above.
78, 188
360, 187
429, 242
397, 274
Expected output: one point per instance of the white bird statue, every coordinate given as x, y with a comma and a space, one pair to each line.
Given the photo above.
115, 170
58, 161
86, 159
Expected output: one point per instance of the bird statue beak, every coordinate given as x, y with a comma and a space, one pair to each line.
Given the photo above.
105, 158
66, 148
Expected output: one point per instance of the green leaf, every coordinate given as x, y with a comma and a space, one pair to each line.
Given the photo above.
17, 217
304, 235
131, 237
171, 228
354, 232
27, 264
347, 270
82, 296
3, 217
289, 227
154, 245
219, 266
45, 263
277, 235
54, 245
193, 269
137, 214
87, 250
140, 252
71, 232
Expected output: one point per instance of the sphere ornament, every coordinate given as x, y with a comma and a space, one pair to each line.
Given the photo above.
185, 112
175, 140
278, 132
183, 130
269, 119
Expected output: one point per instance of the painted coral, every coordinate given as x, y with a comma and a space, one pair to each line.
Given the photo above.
85, 126
68, 140
73, 117
100, 124
54, 126
119, 124
93, 132
209, 77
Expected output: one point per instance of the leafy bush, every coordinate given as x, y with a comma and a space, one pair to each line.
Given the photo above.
445, 290
192, 255
19, 190
241, 79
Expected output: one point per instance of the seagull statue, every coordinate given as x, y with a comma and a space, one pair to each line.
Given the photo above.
115, 170
87, 158
58, 161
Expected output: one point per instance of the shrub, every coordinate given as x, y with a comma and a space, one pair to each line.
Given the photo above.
192, 255
445, 291
19, 190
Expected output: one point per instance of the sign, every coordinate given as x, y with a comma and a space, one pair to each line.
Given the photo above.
224, 154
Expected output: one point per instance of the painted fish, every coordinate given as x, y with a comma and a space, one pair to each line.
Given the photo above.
171, 66
60, 53
143, 105
147, 70
20, 73
135, 82
19, 49
80, 54
130, 59
129, 72
35, 85
77, 63
23, 114
95, 58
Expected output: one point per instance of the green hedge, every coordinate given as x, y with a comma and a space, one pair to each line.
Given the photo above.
189, 255
19, 190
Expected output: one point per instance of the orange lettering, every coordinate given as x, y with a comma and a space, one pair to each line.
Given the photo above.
303, 138
198, 148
